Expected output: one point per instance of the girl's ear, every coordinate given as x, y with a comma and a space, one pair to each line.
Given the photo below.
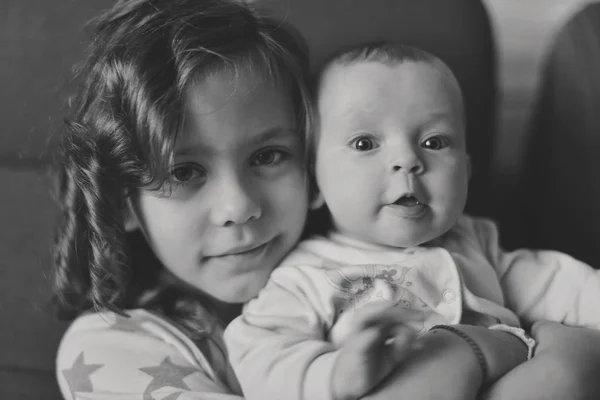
317, 202
129, 217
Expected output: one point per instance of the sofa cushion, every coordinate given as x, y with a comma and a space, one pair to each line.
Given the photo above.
29, 333
41, 40
560, 188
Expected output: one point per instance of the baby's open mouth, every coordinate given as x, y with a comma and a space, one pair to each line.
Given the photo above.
408, 201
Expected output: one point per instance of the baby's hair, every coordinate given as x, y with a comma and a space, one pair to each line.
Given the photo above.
386, 52
121, 132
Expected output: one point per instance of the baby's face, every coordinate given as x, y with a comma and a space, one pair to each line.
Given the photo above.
391, 154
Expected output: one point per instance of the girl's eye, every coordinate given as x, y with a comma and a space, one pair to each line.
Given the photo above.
364, 143
435, 143
183, 174
267, 157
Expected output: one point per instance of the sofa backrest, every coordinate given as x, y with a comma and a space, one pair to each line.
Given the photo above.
560, 187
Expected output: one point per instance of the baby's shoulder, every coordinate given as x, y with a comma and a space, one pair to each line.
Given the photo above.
473, 226
470, 232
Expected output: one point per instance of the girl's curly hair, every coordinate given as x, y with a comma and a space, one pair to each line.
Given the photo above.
120, 136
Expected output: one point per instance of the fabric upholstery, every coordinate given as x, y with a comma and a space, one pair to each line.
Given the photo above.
560, 191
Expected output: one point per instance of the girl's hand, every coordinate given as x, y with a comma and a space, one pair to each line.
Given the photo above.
572, 355
565, 365
555, 338
375, 340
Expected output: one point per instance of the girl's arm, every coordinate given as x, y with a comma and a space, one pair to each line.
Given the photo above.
446, 366
104, 357
565, 366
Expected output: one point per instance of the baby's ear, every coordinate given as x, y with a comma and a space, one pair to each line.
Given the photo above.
317, 201
469, 167
130, 221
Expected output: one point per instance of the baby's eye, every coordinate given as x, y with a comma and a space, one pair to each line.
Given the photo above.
435, 143
268, 157
183, 174
364, 143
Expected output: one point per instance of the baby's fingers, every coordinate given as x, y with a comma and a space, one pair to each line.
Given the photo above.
382, 338
403, 342
383, 312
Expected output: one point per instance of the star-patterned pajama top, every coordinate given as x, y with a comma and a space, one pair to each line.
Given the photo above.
284, 340
104, 356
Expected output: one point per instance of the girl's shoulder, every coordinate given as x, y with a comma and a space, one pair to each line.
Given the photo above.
142, 353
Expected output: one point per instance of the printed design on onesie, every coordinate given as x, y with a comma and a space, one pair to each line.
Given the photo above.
357, 285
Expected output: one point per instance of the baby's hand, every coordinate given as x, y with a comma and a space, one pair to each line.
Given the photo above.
375, 340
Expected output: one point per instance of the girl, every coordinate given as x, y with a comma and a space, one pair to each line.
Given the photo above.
182, 185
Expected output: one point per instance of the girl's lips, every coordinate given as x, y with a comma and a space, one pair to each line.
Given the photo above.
243, 251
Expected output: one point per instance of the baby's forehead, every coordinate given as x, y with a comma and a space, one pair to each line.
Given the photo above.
361, 77
344, 83
341, 69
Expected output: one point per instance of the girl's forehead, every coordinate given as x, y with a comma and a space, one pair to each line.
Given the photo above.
232, 109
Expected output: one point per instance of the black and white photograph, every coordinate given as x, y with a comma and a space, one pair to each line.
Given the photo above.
300, 199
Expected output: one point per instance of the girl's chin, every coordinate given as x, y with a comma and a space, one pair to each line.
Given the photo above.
245, 288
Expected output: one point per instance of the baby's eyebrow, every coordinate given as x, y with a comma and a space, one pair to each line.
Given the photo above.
441, 117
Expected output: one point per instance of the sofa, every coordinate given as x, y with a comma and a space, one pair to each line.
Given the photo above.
553, 203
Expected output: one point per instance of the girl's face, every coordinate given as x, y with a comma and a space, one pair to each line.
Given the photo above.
239, 194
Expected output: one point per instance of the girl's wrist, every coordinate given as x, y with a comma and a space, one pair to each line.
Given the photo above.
502, 351
470, 361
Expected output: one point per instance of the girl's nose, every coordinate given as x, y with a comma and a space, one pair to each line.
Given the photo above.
235, 203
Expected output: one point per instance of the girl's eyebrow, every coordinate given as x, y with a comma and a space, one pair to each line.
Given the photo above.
277, 132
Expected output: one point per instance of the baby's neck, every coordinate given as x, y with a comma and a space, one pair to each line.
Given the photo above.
369, 245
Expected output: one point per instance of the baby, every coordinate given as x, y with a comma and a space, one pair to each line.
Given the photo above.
392, 167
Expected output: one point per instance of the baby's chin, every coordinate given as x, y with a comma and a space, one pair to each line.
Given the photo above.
407, 241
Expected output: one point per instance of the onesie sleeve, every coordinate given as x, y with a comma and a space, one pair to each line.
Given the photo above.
278, 347
543, 284
109, 357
